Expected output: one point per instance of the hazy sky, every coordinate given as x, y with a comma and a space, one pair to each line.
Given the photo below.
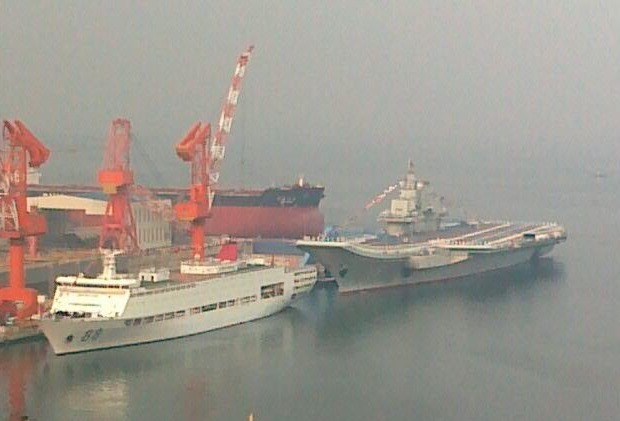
351, 86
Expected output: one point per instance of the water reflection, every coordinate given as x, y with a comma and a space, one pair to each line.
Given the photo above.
342, 318
198, 374
223, 374
19, 365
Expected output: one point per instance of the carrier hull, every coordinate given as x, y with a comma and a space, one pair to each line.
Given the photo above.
353, 272
447, 254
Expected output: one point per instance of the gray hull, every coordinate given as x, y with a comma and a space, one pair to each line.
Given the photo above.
355, 272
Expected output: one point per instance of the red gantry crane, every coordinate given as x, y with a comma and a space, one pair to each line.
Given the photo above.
204, 154
19, 150
116, 179
193, 148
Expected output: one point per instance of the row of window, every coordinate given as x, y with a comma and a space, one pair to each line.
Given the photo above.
304, 279
272, 290
193, 311
95, 286
169, 289
301, 272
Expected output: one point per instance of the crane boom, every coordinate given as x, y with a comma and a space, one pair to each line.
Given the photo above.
204, 153
228, 112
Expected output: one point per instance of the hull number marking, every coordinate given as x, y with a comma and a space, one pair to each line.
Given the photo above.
91, 335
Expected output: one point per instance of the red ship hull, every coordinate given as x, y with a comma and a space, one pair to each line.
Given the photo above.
277, 212
265, 222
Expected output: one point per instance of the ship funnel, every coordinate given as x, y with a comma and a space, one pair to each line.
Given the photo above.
228, 252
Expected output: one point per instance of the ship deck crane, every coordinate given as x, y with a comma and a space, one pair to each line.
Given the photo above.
116, 179
20, 149
205, 154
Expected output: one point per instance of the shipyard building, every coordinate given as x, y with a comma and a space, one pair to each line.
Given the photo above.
75, 220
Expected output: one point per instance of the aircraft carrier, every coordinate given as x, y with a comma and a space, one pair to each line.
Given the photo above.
419, 247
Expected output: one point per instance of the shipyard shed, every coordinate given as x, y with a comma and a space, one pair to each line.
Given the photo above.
75, 220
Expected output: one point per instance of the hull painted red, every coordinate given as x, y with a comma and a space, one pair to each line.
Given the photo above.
245, 222
283, 212
265, 222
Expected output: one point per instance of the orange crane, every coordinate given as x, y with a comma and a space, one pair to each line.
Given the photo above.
193, 148
217, 148
19, 150
116, 179
204, 154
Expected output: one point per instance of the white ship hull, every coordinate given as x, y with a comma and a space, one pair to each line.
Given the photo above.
181, 310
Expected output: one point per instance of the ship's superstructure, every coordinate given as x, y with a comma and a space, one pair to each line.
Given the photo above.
419, 248
115, 309
417, 208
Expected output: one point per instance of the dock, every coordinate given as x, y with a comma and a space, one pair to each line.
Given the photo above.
20, 332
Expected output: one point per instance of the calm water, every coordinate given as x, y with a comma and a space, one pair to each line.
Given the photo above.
534, 343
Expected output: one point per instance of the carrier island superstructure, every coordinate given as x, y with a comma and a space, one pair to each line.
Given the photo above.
418, 247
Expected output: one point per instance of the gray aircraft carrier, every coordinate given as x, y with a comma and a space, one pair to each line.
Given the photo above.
418, 247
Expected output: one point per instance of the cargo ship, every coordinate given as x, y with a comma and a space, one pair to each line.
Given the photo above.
289, 212
282, 212
113, 310
419, 246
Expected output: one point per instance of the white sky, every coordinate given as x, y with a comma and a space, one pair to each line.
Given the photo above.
330, 84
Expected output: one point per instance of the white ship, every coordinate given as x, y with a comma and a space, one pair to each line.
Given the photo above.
115, 309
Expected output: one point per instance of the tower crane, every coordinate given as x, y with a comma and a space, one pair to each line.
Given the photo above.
205, 154
116, 179
20, 149
217, 147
